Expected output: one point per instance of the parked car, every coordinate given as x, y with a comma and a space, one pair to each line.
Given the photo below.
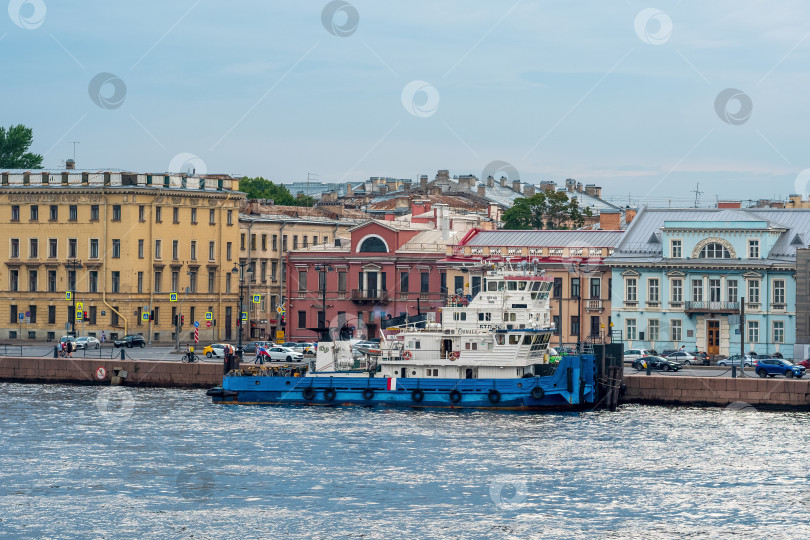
87, 342
656, 362
683, 357
284, 354
734, 360
631, 355
804, 363
770, 367
253, 345
65, 339
215, 350
131, 340
305, 347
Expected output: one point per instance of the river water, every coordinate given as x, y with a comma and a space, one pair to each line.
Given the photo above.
97, 462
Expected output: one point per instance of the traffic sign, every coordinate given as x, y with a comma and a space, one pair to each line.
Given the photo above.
101, 373
21, 316
280, 310
196, 333
68, 295
27, 314
173, 297
28, 320
208, 324
244, 315
78, 315
257, 298
145, 316
196, 324
79, 305
209, 316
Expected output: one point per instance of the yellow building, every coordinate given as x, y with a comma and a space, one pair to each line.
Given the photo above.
121, 243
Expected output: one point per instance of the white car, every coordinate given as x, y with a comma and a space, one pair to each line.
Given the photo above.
630, 355
284, 354
87, 343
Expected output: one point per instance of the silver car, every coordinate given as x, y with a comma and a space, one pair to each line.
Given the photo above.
87, 342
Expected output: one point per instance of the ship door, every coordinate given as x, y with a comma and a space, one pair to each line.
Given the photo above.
471, 373
713, 337
447, 347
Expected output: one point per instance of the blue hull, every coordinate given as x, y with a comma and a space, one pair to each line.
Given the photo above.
571, 386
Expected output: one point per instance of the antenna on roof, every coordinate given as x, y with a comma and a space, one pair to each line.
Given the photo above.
697, 193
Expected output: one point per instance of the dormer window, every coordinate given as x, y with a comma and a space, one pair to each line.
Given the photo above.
675, 249
753, 249
372, 244
714, 251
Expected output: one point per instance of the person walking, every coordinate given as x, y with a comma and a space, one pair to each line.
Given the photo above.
69, 346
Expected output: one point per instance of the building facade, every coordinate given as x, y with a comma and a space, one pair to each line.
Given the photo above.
121, 243
680, 276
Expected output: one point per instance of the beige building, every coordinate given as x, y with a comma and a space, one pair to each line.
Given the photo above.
121, 243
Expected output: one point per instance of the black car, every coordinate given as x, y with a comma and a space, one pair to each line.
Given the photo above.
134, 340
656, 362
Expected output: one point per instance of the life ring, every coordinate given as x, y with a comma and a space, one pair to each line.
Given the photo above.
368, 393
417, 395
455, 396
538, 393
494, 396
329, 394
309, 393
455, 355
407, 355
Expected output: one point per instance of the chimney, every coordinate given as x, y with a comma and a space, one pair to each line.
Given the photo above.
490, 181
548, 185
610, 220
516, 185
392, 185
570, 185
503, 181
389, 216
629, 215
443, 220
70, 164
795, 201
482, 191
423, 180
528, 191
406, 185
383, 190
443, 174
579, 187
349, 189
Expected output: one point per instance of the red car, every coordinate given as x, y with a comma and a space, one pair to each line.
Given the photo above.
804, 363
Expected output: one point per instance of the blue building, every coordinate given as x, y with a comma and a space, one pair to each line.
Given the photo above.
679, 276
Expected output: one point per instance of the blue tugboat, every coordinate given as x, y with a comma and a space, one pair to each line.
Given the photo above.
492, 353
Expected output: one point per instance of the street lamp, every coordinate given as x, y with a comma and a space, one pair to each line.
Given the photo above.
74, 264
239, 268
324, 329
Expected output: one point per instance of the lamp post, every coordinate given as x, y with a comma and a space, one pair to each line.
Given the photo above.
74, 264
239, 268
322, 270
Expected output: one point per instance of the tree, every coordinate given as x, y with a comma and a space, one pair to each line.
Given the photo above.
545, 210
14, 143
260, 188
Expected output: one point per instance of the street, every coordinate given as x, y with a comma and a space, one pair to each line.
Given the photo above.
695, 371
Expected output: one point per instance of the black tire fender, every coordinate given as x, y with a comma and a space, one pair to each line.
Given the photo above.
538, 393
417, 395
368, 393
309, 393
329, 394
455, 396
494, 396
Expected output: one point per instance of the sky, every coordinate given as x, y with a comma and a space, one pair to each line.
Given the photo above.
647, 100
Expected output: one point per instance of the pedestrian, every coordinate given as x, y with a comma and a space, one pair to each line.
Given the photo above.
103, 337
69, 346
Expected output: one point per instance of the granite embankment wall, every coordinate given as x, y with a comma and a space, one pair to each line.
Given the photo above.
86, 370
775, 392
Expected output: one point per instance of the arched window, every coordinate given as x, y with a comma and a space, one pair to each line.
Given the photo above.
372, 244
714, 251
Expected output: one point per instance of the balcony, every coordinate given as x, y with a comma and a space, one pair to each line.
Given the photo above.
594, 305
711, 307
370, 296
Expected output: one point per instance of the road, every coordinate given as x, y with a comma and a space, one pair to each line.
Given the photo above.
695, 371
150, 352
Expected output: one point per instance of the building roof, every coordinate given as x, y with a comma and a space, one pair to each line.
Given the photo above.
577, 238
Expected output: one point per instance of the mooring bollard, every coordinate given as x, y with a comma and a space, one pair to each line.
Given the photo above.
123, 354
56, 352
649, 368
733, 371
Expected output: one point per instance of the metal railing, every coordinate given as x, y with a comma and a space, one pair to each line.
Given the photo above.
712, 306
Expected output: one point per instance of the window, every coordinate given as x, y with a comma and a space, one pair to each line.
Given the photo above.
284, 243
94, 248
574, 325
556, 292
630, 325
13, 314
92, 314
140, 248
15, 216
34, 212
574, 287
212, 217
653, 291
403, 282
73, 212
314, 240
596, 288
73, 246
212, 280
264, 242
193, 250
228, 251
264, 271
116, 281
33, 310
779, 291
116, 212
731, 291
753, 249
302, 280
157, 249
51, 314
275, 242
302, 319
158, 214
92, 281
211, 250
114, 316
54, 213
778, 331
51, 280
242, 242
192, 281
194, 216
653, 328
714, 250
631, 290
33, 248
227, 282
321, 281
676, 294
253, 242
306, 243
675, 249
273, 269
158, 279
93, 212
116, 249
753, 291
175, 249
230, 217
32, 280
372, 245
675, 330
13, 281
140, 282
15, 248
175, 280
697, 290
753, 331
175, 215
325, 240
424, 278
71, 277
714, 290
52, 248
141, 215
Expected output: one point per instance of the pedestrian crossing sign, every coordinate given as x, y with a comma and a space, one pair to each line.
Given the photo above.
173, 297
68, 295
78, 315
257, 298
244, 315
209, 316
145, 315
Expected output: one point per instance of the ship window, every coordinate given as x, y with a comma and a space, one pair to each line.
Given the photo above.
521, 285
492, 286
527, 340
467, 346
500, 339
514, 339
475, 346
490, 346
500, 286
536, 286
513, 285
417, 345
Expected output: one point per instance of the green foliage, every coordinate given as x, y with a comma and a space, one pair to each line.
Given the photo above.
259, 188
545, 210
14, 143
